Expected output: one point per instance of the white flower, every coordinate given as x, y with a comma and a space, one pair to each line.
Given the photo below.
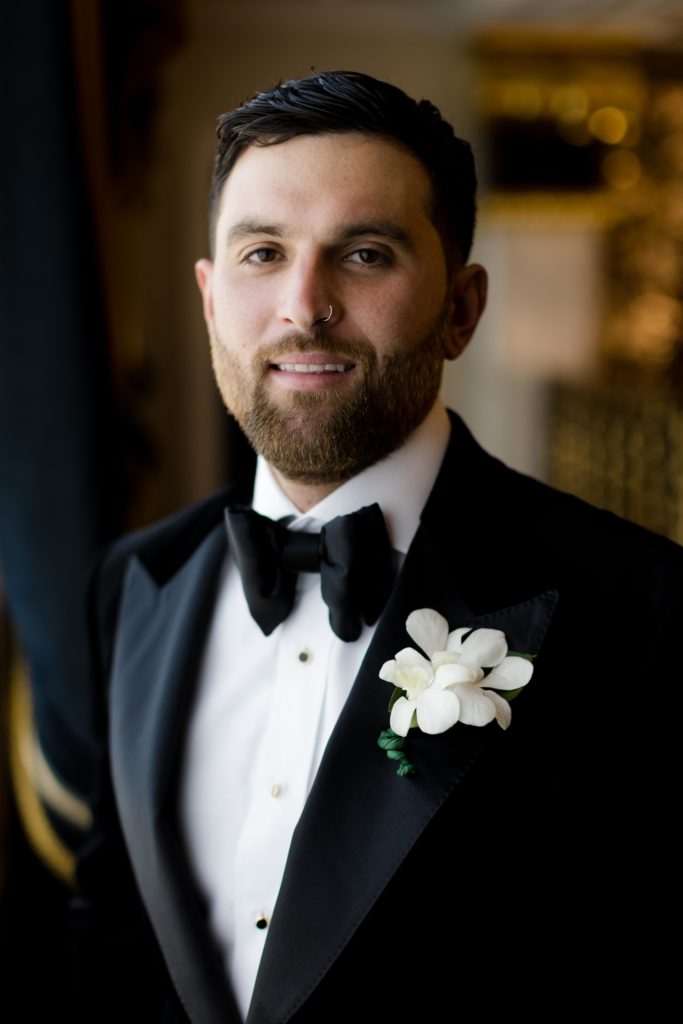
450, 685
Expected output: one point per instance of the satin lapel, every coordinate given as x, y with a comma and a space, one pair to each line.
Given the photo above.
361, 819
159, 641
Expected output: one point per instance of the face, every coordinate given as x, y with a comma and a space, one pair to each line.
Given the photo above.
340, 223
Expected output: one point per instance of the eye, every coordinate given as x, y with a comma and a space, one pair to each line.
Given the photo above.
261, 255
368, 257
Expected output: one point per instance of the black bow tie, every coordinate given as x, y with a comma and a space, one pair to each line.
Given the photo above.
352, 553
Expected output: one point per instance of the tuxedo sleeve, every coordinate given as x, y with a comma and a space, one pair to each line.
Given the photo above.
116, 956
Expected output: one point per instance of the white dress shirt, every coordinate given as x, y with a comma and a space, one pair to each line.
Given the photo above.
266, 706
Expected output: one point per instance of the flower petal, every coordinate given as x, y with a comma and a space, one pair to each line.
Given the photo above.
388, 671
428, 629
485, 647
402, 716
437, 710
503, 709
510, 674
449, 675
414, 679
476, 707
412, 658
455, 638
440, 658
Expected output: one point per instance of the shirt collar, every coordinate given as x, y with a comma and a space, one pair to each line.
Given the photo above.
400, 484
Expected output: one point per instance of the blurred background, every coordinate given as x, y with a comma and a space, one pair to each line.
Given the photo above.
108, 413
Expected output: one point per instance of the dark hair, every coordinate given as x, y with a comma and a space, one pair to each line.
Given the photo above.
347, 101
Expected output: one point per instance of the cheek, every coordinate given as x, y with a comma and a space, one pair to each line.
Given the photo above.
378, 314
238, 307
410, 306
232, 363
233, 379
404, 328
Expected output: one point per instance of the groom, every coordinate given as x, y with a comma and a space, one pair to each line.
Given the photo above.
257, 855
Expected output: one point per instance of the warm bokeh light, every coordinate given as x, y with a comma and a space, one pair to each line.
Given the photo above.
522, 100
609, 124
621, 168
570, 104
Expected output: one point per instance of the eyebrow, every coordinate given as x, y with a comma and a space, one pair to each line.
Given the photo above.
380, 229
245, 228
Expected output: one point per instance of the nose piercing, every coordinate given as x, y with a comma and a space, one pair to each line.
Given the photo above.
324, 319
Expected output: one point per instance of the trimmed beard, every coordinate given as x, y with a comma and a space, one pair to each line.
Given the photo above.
330, 435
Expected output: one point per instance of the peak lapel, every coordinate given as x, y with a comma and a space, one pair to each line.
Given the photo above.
361, 820
159, 641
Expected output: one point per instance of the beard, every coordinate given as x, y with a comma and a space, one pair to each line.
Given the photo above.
330, 435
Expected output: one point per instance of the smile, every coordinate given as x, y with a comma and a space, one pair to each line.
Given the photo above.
313, 367
311, 371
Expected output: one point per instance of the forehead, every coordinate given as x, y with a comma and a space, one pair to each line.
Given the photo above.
329, 177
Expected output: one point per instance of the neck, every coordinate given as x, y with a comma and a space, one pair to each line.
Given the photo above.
303, 495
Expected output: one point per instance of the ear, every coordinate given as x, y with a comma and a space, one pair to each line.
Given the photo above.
469, 288
203, 271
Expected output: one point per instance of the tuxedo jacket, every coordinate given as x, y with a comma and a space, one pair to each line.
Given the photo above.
514, 870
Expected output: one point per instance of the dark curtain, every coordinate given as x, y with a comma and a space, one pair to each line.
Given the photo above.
59, 494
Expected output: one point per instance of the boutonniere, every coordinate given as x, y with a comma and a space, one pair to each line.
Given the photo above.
460, 680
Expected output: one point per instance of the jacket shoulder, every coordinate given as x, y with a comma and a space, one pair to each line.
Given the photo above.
525, 529
603, 534
165, 545
162, 548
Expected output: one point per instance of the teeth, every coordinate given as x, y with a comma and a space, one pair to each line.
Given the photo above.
312, 367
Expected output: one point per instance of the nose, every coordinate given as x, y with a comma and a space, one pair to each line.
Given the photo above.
307, 297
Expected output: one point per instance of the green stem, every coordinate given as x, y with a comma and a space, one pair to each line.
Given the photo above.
392, 745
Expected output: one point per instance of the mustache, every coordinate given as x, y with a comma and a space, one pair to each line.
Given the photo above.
316, 340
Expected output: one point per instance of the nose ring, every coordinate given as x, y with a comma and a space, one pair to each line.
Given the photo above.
324, 319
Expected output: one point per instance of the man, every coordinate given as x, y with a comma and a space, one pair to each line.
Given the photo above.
281, 866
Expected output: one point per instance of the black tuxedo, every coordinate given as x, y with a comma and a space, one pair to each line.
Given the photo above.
515, 870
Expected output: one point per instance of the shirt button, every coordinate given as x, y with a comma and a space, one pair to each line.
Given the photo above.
276, 789
261, 922
305, 656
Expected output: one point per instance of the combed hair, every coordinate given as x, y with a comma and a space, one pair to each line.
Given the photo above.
348, 101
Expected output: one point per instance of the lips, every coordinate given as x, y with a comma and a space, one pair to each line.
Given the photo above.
299, 363
313, 367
